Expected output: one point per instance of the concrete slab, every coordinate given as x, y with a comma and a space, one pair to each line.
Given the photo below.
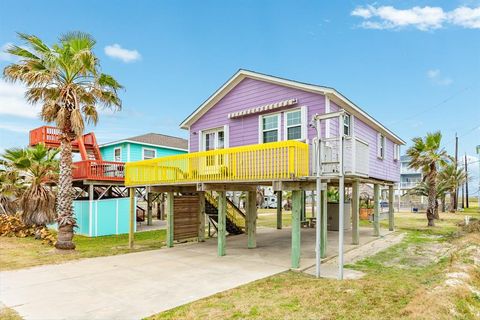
137, 285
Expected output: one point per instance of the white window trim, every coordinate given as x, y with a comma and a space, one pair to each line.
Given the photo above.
349, 126
114, 150
260, 125
303, 123
226, 138
327, 121
149, 149
380, 146
396, 152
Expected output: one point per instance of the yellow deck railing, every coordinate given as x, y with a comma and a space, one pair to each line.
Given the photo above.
282, 160
233, 213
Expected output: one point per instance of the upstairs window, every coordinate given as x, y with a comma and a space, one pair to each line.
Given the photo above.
270, 128
294, 125
149, 154
380, 146
346, 125
396, 152
117, 154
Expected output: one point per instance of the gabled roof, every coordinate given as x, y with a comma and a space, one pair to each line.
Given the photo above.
155, 139
333, 94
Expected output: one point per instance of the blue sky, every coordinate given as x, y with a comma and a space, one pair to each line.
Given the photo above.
413, 65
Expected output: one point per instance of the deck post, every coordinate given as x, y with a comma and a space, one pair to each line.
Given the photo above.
222, 222
376, 210
355, 212
170, 226
296, 230
201, 216
90, 209
279, 210
303, 215
131, 192
391, 218
323, 223
252, 219
149, 207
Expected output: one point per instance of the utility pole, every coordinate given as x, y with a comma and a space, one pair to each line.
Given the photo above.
466, 181
455, 203
478, 152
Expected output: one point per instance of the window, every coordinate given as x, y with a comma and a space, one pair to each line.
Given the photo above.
149, 153
380, 146
346, 124
396, 152
293, 125
214, 139
117, 154
270, 128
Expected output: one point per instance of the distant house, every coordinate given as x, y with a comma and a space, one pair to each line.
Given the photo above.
143, 147
409, 178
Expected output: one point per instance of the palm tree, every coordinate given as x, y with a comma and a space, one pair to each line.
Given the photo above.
11, 187
453, 176
423, 189
425, 154
66, 80
39, 169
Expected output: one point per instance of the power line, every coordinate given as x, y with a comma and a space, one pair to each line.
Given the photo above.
434, 106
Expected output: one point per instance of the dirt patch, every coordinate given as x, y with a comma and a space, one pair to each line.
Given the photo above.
421, 255
458, 293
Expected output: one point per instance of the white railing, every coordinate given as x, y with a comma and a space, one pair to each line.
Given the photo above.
407, 170
408, 185
356, 157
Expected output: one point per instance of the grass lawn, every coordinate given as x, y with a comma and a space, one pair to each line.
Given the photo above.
430, 275
18, 253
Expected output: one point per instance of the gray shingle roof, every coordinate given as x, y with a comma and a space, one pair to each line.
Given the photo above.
158, 140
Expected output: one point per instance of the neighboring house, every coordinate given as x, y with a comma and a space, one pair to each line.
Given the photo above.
409, 178
252, 108
143, 147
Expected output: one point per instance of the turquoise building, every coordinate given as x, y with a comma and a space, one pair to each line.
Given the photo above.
143, 147
104, 206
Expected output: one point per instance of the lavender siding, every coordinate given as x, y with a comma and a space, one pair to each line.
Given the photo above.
244, 131
386, 168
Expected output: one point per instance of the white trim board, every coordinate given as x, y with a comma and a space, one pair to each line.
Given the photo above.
331, 93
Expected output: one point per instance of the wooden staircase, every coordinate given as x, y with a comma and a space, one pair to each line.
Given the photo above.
235, 219
92, 167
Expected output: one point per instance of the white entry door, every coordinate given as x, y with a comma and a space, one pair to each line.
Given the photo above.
212, 140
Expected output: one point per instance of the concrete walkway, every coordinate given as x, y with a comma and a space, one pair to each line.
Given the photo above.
137, 285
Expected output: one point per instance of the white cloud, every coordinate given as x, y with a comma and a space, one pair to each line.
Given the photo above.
466, 17
422, 18
117, 52
437, 78
13, 102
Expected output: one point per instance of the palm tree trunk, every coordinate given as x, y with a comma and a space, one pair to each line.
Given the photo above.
432, 196
453, 201
65, 218
435, 211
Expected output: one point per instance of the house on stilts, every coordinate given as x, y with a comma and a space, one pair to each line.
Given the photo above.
256, 130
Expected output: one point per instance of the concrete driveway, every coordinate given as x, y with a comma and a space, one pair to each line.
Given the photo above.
132, 286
